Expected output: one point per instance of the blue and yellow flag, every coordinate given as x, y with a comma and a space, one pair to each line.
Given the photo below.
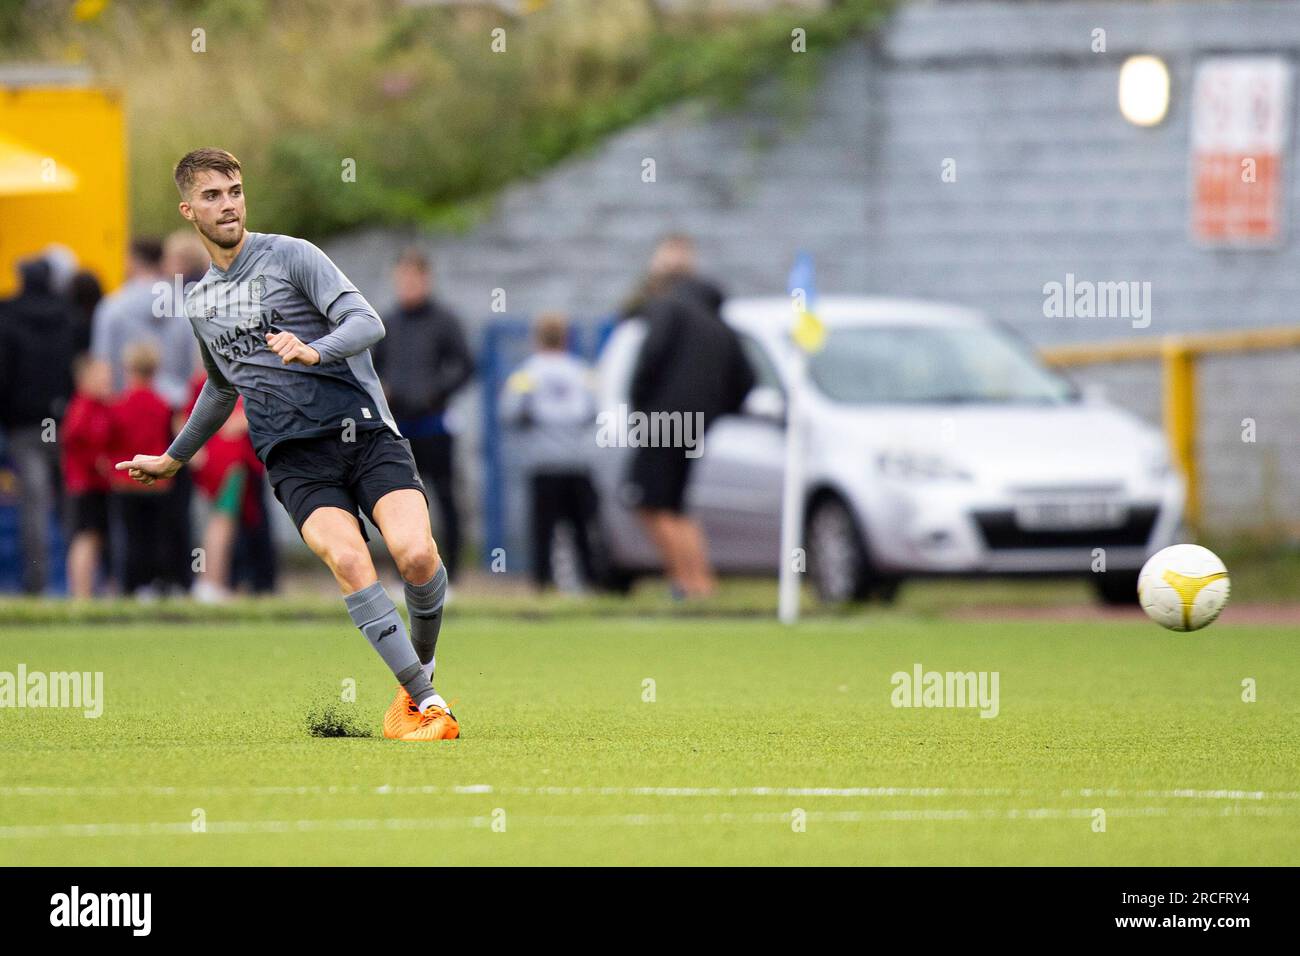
808, 332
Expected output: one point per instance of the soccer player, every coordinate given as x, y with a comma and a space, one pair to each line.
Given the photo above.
279, 324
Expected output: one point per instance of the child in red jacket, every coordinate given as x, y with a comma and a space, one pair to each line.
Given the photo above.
85, 433
141, 424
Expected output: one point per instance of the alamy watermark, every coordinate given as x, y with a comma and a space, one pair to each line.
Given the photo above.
178, 298
1085, 299
621, 428
133, 911
83, 690
922, 688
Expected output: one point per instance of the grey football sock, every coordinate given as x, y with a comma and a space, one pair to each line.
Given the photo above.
424, 604
374, 612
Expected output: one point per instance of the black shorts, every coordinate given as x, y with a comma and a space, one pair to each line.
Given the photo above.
324, 472
657, 479
86, 512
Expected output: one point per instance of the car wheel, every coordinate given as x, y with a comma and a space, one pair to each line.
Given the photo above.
886, 590
1116, 588
837, 556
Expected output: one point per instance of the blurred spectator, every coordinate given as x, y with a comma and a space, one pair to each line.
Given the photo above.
86, 433
229, 474
85, 292
183, 255
423, 360
139, 312
691, 363
672, 258
63, 268
141, 425
37, 331
550, 401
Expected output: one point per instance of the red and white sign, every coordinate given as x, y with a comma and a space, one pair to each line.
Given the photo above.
1241, 123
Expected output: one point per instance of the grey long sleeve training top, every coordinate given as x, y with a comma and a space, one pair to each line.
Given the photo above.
279, 283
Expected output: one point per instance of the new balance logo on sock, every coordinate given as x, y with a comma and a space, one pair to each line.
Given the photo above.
375, 615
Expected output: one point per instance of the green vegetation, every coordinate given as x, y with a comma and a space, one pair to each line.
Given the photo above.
215, 724
434, 120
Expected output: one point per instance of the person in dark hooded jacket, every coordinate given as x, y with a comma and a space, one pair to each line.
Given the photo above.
423, 361
691, 370
37, 343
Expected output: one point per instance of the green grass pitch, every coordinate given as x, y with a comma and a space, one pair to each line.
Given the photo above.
202, 754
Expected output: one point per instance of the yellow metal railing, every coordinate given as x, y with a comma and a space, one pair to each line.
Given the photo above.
1179, 355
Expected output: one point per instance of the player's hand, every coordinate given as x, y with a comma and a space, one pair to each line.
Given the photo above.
291, 349
147, 469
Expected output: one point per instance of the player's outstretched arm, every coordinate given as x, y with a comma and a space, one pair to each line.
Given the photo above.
147, 469
216, 401
213, 407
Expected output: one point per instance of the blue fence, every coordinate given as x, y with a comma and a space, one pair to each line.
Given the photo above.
11, 556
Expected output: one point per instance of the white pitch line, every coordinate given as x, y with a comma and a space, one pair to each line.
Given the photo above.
1188, 794
233, 827
37, 790
484, 788
560, 791
246, 827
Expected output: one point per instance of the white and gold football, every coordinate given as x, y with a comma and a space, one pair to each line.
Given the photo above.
1183, 587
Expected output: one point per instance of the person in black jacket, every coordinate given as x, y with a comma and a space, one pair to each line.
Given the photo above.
85, 294
37, 345
691, 364
423, 360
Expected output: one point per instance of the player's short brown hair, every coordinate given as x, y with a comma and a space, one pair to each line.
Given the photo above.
209, 157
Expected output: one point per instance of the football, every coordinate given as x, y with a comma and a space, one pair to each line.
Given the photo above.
1183, 587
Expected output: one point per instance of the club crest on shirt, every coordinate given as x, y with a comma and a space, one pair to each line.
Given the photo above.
210, 300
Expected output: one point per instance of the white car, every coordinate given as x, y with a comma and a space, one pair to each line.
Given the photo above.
936, 443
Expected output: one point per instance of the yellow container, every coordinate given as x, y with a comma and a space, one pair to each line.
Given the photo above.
62, 178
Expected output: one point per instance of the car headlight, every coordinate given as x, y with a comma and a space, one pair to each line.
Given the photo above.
918, 466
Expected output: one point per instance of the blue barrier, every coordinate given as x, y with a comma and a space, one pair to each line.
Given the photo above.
11, 556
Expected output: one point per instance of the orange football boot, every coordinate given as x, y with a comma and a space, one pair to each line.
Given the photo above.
402, 715
435, 724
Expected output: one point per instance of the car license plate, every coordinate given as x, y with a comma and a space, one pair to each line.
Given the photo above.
1070, 515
